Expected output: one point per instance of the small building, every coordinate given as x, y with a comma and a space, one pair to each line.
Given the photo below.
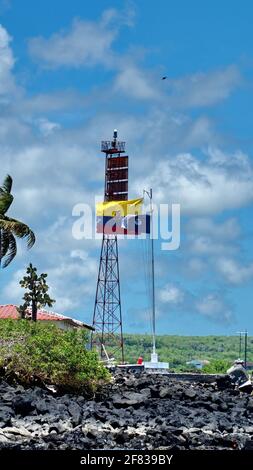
61, 321
198, 363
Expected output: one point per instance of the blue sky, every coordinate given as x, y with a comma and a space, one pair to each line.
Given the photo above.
70, 72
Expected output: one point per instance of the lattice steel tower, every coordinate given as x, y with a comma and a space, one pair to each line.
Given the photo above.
107, 318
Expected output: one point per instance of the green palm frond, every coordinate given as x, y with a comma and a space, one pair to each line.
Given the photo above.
9, 248
4, 243
5, 202
18, 229
10, 229
7, 185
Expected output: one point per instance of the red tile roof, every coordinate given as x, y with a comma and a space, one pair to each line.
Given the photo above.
10, 311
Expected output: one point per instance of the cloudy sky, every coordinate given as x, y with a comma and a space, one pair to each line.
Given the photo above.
71, 72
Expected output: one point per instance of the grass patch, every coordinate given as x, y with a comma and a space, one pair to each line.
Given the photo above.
43, 353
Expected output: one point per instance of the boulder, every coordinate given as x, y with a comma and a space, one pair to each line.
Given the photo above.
6, 414
130, 399
23, 405
224, 382
165, 392
190, 393
248, 429
43, 406
20, 431
223, 406
75, 412
3, 440
225, 425
250, 405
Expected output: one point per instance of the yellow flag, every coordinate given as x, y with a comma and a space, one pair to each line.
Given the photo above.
112, 208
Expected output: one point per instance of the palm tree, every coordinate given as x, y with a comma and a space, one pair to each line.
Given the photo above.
10, 229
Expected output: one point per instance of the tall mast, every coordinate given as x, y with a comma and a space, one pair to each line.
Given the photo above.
154, 357
153, 269
154, 364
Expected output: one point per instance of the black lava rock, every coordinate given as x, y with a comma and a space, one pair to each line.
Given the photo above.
132, 412
23, 405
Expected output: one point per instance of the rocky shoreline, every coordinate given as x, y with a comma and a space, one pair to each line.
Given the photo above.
144, 412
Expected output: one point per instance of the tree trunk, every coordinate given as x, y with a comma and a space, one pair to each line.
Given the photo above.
34, 310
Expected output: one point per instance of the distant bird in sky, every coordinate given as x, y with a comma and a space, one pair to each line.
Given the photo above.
164, 78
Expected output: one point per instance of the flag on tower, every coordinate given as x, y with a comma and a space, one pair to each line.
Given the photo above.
122, 218
111, 208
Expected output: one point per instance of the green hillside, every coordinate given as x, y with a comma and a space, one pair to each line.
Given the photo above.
177, 350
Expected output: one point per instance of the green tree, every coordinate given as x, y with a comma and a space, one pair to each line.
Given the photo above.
10, 228
37, 292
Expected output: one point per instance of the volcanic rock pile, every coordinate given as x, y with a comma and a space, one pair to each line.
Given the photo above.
145, 412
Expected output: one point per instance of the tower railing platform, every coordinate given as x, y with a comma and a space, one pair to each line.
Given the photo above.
110, 146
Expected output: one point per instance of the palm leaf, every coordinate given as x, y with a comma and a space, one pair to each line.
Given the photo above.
4, 243
5, 201
7, 185
11, 228
18, 229
11, 249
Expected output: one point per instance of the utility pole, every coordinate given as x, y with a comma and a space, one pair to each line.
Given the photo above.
245, 348
245, 334
240, 344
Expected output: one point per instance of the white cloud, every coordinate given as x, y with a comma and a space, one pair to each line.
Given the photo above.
134, 82
54, 169
233, 272
55, 101
12, 290
206, 245
206, 236
80, 254
202, 186
198, 132
204, 89
85, 43
197, 90
213, 307
7, 62
227, 230
47, 127
12, 125
194, 267
171, 294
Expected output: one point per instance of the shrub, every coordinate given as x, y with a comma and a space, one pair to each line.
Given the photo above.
217, 366
42, 352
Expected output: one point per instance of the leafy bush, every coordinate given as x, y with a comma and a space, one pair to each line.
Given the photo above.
42, 352
217, 366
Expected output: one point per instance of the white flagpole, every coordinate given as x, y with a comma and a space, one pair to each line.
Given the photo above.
154, 357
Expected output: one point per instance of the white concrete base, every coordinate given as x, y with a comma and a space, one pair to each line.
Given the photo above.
156, 365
